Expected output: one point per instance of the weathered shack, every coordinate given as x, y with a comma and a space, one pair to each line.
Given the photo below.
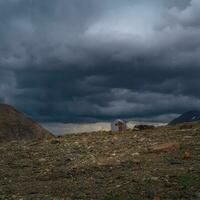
118, 125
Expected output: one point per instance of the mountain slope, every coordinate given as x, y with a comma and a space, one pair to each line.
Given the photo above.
16, 125
190, 116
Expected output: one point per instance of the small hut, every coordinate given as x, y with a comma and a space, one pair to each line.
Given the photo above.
118, 125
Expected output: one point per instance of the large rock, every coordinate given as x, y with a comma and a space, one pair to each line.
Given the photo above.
14, 125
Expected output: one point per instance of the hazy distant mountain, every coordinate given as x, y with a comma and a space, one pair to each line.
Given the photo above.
68, 128
15, 125
190, 116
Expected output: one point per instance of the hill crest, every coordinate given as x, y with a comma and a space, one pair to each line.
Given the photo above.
15, 125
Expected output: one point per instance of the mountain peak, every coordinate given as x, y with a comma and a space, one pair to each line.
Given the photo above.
189, 116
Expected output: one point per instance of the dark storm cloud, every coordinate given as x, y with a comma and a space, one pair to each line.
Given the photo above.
97, 60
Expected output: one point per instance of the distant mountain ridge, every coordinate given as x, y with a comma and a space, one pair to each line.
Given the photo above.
15, 125
190, 116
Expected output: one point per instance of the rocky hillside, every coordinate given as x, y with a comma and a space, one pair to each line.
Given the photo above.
156, 164
16, 125
190, 116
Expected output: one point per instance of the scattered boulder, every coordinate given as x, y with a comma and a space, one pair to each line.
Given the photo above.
186, 155
135, 154
156, 198
55, 142
175, 162
165, 147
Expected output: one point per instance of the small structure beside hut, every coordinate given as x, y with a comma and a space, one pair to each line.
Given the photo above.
142, 127
118, 125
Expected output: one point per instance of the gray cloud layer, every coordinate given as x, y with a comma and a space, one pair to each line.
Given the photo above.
90, 60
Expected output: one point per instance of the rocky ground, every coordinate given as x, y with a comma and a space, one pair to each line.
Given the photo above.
162, 163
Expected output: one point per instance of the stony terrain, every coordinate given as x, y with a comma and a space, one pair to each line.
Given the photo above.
156, 164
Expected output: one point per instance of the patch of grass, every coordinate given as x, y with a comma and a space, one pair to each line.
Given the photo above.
123, 198
189, 180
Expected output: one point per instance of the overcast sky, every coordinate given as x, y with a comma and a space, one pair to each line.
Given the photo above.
94, 60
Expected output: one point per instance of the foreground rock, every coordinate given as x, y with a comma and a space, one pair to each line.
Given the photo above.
14, 125
165, 147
